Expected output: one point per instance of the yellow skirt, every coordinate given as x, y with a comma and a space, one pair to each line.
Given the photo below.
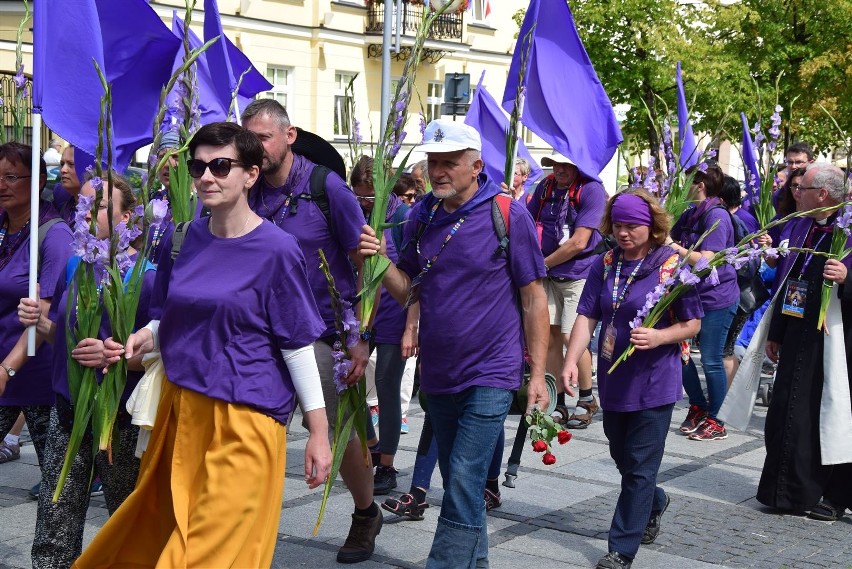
209, 490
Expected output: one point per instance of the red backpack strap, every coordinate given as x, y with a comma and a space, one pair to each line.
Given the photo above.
547, 191
500, 217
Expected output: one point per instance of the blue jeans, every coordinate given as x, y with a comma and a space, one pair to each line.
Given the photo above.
636, 443
466, 427
714, 331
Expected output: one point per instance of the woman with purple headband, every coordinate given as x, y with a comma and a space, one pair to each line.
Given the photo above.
638, 397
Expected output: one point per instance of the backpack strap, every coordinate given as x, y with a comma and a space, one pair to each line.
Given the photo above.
316, 192
500, 217
177, 238
42, 234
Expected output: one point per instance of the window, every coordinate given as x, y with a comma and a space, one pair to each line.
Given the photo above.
526, 135
480, 11
282, 84
343, 104
434, 98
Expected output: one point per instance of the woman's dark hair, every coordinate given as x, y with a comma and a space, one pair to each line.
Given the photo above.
712, 177
362, 172
23, 154
786, 201
248, 145
731, 192
404, 184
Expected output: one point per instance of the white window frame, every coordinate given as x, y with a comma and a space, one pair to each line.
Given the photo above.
433, 101
478, 10
342, 121
281, 91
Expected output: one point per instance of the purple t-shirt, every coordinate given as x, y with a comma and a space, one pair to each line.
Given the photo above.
687, 230
303, 219
389, 323
556, 211
648, 378
471, 332
227, 308
31, 384
58, 313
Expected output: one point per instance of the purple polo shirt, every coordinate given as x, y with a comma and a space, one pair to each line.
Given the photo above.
31, 384
648, 378
556, 211
471, 333
58, 314
305, 221
227, 308
688, 230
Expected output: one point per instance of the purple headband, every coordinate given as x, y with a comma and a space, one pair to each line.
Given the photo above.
631, 209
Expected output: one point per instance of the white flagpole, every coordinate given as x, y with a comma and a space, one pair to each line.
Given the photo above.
35, 195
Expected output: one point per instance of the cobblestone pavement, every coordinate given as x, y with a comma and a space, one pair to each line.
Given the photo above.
557, 516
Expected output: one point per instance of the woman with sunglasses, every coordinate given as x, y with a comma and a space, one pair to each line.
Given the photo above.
59, 525
234, 322
25, 382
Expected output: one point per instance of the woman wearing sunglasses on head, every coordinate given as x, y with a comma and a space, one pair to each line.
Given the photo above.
234, 322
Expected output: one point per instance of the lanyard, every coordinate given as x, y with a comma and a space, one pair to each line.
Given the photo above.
2, 235
617, 299
810, 255
415, 283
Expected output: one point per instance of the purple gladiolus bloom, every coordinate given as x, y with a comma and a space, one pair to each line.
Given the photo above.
356, 127
97, 183
739, 262
771, 253
422, 128
341, 371
713, 277
703, 167
636, 323
159, 210
687, 277
19, 79
702, 264
401, 104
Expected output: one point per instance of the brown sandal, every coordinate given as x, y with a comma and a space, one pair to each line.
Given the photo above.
582, 421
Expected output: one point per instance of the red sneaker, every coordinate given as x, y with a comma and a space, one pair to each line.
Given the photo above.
694, 418
709, 430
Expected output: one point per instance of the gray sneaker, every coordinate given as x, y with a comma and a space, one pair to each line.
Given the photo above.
361, 541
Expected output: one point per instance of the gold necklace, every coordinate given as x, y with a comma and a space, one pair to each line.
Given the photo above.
239, 234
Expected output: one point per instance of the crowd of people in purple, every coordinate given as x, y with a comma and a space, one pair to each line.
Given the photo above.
241, 317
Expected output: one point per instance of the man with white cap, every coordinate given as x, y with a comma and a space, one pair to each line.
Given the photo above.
479, 303
567, 208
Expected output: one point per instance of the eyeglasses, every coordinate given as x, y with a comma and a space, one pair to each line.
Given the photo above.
802, 188
410, 196
219, 167
797, 163
795, 187
10, 179
368, 199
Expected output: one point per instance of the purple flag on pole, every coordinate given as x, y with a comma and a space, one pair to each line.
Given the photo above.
214, 99
566, 105
752, 174
688, 149
135, 51
486, 116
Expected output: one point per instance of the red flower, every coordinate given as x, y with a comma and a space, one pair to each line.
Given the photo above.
563, 436
548, 459
539, 446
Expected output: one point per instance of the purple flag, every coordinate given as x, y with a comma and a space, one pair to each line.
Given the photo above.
486, 116
752, 174
688, 149
134, 49
218, 62
214, 100
566, 104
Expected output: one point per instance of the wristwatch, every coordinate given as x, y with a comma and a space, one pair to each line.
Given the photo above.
10, 371
366, 335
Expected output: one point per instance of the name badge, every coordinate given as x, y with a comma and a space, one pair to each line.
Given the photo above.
566, 233
608, 343
795, 297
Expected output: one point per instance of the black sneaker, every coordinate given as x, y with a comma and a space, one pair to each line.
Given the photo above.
361, 541
614, 560
384, 480
652, 530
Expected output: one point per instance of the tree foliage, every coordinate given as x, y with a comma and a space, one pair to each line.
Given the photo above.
731, 53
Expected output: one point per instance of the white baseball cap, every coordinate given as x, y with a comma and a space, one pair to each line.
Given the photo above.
449, 136
556, 158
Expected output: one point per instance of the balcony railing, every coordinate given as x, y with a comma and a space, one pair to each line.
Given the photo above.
445, 27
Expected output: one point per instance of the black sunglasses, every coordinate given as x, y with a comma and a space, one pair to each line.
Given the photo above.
219, 167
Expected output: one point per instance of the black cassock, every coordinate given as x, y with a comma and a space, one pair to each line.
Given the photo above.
793, 477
